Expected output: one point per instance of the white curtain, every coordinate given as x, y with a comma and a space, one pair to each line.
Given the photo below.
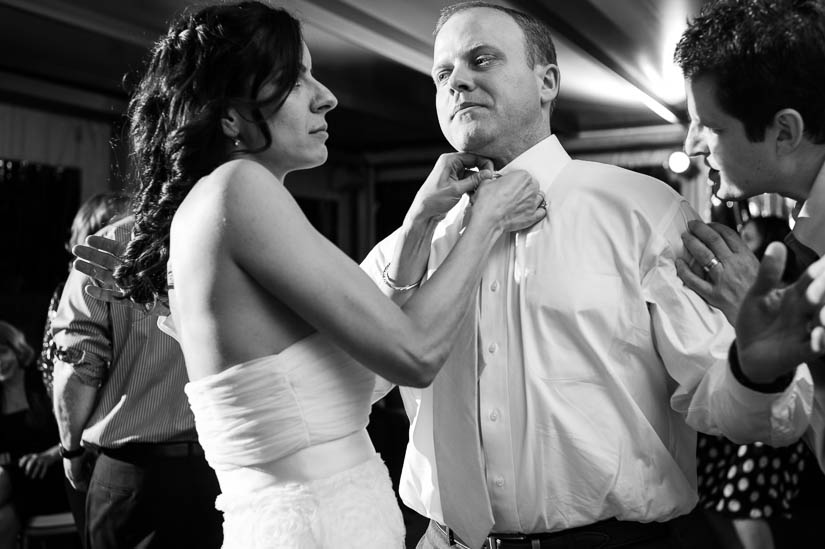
59, 140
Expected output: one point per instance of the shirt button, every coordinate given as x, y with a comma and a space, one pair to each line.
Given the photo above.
493, 348
494, 415
494, 286
499, 482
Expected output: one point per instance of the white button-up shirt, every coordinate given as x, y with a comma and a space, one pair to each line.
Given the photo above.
809, 221
809, 229
596, 362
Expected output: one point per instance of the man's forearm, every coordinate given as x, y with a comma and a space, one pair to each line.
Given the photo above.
74, 402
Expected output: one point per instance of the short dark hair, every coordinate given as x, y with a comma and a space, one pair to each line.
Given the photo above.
538, 41
763, 56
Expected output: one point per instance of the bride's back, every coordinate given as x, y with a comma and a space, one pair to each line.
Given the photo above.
222, 315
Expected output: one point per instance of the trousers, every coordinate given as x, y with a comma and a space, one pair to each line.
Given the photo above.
152, 502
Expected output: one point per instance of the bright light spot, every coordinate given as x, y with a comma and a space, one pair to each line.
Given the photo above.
667, 81
589, 78
678, 162
655, 106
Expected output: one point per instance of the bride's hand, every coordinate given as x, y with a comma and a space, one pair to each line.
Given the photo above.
513, 200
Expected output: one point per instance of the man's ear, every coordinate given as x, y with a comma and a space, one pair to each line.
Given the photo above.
231, 123
789, 130
549, 79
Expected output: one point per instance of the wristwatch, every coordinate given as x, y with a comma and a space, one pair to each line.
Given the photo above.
70, 454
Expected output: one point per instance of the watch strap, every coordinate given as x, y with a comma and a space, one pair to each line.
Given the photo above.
70, 454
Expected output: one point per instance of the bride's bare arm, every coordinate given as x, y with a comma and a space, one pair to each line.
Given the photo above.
273, 242
446, 184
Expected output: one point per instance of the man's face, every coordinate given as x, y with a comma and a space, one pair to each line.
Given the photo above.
739, 168
487, 97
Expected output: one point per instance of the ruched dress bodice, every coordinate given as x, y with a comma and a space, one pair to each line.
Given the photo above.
268, 408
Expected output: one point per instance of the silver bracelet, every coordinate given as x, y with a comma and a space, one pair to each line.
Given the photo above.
393, 286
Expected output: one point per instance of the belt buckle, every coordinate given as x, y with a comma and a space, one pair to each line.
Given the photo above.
494, 541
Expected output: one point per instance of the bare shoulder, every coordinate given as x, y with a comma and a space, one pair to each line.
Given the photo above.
241, 171
235, 180
247, 191
233, 190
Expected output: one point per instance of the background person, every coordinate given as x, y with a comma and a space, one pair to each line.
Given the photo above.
31, 482
118, 393
752, 491
94, 214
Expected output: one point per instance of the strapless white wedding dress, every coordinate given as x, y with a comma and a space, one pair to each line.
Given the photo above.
271, 407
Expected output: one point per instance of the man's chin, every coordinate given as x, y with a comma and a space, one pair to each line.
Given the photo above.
468, 139
725, 191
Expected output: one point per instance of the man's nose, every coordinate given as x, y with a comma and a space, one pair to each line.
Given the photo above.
460, 80
695, 144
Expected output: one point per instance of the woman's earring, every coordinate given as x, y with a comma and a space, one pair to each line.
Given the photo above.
237, 142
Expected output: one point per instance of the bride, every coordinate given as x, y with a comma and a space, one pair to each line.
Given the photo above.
283, 334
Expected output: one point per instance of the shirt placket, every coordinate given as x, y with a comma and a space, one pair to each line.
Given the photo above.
494, 422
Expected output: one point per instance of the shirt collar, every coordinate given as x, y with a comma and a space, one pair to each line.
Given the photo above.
543, 161
809, 227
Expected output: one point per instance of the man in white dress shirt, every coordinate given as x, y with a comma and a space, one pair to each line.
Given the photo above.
572, 402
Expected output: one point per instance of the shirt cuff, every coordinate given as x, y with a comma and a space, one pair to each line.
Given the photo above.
776, 386
89, 369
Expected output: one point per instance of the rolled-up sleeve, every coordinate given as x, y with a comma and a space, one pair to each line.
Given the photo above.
82, 325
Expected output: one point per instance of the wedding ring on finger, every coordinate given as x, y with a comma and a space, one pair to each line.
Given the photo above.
710, 264
543, 202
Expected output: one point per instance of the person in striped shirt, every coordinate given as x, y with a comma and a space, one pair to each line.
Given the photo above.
118, 391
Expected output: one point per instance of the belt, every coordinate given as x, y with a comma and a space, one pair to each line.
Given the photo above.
149, 451
606, 533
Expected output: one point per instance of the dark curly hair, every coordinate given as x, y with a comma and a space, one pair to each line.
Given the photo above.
210, 60
764, 56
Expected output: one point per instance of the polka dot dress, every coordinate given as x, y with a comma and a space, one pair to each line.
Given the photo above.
748, 481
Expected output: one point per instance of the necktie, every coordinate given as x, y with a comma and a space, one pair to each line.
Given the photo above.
461, 479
